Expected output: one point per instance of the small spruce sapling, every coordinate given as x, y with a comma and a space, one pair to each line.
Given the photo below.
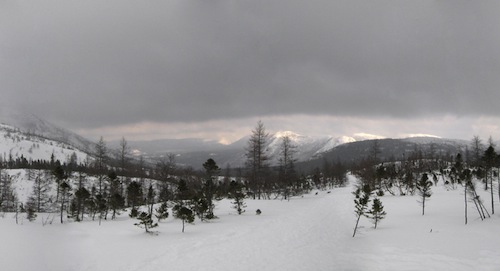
362, 198
377, 212
238, 197
424, 190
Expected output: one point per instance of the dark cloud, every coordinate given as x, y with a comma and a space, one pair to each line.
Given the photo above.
98, 63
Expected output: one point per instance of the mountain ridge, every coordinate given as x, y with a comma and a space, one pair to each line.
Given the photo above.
193, 152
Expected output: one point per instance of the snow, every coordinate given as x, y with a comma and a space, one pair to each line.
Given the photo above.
15, 143
313, 232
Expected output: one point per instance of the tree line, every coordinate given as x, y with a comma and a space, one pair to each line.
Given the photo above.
103, 186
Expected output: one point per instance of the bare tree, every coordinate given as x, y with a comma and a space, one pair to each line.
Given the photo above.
101, 154
489, 161
257, 159
286, 165
477, 150
165, 169
124, 154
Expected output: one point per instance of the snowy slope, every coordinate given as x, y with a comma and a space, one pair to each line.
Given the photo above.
15, 144
31, 124
309, 233
306, 147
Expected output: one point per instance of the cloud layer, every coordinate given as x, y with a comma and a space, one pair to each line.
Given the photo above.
92, 65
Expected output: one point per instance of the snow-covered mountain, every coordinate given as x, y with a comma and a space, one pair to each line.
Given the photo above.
15, 144
34, 138
32, 125
306, 147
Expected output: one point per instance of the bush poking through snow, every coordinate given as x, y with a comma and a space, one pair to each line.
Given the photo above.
133, 213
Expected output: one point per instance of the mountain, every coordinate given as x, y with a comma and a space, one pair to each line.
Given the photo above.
390, 149
34, 138
194, 152
32, 125
15, 144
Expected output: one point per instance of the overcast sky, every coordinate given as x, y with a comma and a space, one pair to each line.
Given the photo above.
212, 69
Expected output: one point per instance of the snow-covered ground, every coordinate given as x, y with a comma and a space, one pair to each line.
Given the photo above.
309, 233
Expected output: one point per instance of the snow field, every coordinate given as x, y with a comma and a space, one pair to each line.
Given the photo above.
306, 233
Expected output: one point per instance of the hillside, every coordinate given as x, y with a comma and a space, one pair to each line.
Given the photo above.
309, 233
390, 150
33, 125
194, 152
15, 144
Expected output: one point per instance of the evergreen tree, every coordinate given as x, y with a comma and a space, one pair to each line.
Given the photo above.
424, 190
81, 197
116, 201
31, 209
489, 162
236, 193
212, 171
361, 200
377, 212
162, 212
183, 213
150, 199
145, 221
65, 188
60, 176
199, 204
134, 194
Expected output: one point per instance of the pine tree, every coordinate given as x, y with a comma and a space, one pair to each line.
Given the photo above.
377, 212
134, 194
212, 170
81, 197
424, 190
145, 221
150, 199
65, 188
361, 200
162, 212
489, 161
116, 201
183, 213
236, 193
31, 209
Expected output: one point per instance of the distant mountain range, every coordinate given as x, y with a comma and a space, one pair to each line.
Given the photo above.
310, 151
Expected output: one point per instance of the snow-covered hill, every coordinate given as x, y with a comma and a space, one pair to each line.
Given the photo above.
306, 147
33, 125
15, 144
